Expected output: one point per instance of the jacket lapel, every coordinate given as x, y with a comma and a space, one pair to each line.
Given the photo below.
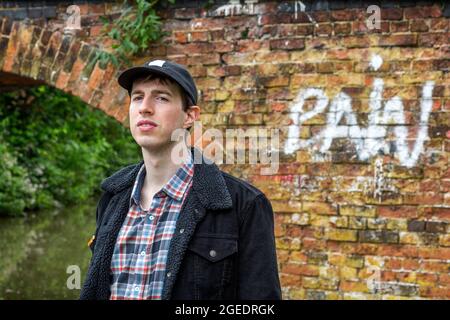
119, 185
119, 207
209, 192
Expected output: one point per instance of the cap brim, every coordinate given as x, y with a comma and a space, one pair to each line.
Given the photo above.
127, 77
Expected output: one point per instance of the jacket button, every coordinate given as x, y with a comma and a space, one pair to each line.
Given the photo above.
168, 274
213, 253
196, 210
181, 230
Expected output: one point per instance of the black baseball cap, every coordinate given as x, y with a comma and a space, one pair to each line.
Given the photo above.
172, 70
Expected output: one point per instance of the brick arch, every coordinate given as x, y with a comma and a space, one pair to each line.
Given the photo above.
32, 55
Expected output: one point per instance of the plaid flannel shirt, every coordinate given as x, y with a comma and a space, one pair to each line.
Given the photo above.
139, 260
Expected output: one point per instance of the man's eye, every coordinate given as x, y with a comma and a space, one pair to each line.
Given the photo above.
137, 98
163, 99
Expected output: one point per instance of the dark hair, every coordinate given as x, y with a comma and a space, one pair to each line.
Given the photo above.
186, 102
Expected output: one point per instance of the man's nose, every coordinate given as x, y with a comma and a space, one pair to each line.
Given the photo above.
147, 105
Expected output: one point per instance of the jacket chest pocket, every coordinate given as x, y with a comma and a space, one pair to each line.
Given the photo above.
212, 260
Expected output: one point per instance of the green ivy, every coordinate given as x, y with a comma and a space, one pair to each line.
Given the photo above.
133, 32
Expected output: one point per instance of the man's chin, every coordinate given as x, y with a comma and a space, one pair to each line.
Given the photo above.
152, 144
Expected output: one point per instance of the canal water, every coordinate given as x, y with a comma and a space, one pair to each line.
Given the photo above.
41, 253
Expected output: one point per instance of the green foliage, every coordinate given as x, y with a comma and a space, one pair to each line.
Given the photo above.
133, 32
14, 179
55, 150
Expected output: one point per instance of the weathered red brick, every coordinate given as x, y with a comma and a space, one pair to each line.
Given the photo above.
198, 36
399, 26
391, 13
342, 15
434, 292
323, 29
342, 28
436, 227
180, 36
288, 44
355, 42
398, 211
398, 40
423, 12
418, 26
432, 39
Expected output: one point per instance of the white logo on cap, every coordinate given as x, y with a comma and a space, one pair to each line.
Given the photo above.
158, 63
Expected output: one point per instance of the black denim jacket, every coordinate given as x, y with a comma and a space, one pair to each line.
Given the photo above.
223, 246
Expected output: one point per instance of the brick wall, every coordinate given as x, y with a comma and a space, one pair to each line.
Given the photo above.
360, 213
361, 195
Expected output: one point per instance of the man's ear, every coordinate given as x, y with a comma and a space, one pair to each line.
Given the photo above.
193, 114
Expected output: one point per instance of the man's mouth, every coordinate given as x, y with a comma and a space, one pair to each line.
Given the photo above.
146, 125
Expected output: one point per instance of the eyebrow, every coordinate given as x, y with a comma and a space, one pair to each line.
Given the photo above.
162, 91
136, 92
157, 91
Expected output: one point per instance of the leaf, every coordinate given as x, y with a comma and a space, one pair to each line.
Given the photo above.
135, 29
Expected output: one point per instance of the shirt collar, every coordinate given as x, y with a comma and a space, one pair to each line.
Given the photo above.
174, 188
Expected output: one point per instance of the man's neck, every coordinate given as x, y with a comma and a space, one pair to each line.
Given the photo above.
160, 166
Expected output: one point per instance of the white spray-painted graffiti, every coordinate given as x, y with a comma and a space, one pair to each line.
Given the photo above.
381, 183
370, 140
235, 7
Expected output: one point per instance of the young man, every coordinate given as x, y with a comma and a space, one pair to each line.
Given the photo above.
167, 230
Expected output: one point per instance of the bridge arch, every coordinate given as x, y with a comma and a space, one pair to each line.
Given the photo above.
32, 54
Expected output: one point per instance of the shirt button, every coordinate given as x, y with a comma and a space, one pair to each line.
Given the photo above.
151, 217
181, 230
143, 253
136, 288
213, 253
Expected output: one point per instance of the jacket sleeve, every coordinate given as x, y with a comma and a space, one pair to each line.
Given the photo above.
101, 206
258, 270
89, 289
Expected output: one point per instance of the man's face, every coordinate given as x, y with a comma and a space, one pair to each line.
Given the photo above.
162, 105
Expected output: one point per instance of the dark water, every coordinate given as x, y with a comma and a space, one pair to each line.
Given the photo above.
36, 252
